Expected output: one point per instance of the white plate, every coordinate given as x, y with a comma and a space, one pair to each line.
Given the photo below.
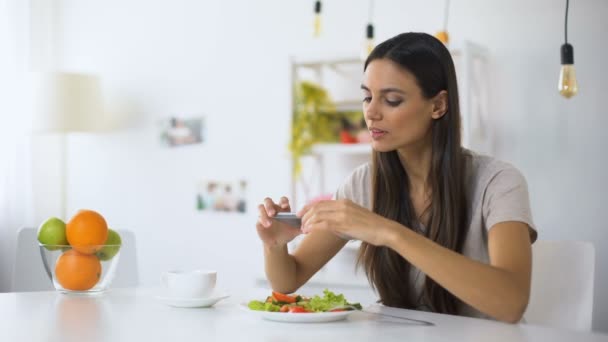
192, 302
316, 317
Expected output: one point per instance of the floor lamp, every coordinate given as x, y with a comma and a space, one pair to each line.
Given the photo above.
66, 103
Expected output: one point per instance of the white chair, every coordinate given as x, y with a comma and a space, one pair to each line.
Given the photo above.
562, 284
29, 273
127, 271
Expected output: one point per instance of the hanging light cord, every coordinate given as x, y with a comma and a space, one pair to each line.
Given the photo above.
566, 23
446, 15
371, 10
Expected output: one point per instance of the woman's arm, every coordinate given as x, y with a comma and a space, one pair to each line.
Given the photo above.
287, 273
500, 289
280, 268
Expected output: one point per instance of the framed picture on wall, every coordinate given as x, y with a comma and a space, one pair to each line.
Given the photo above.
177, 131
222, 196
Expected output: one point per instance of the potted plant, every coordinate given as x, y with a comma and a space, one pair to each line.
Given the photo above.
311, 120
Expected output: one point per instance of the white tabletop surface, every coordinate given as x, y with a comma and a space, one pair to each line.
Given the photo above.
136, 315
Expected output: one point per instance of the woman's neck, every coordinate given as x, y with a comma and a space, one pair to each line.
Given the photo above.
416, 161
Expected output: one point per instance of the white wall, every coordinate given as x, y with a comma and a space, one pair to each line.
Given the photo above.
229, 60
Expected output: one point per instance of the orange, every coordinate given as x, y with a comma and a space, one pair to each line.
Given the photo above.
87, 231
77, 271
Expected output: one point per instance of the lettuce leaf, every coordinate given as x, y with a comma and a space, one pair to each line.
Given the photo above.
262, 306
329, 301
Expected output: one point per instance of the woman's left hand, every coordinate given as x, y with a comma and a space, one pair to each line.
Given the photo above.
346, 218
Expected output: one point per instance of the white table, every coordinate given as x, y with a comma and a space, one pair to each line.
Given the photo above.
136, 315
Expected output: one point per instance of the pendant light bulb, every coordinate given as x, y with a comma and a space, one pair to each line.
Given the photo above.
567, 86
317, 20
369, 33
369, 41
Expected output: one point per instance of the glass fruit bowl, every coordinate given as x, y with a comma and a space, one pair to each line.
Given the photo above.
80, 269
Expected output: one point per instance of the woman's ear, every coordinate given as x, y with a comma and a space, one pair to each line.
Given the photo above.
440, 104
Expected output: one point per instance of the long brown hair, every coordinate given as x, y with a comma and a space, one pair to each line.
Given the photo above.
388, 272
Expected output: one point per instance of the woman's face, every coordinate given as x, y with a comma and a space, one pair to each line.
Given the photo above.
396, 113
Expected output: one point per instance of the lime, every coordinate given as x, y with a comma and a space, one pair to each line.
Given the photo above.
112, 246
52, 232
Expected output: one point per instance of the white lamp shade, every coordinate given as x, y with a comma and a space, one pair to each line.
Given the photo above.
67, 102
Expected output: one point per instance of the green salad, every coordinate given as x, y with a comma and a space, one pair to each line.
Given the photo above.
279, 302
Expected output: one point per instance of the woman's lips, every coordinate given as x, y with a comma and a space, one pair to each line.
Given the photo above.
377, 133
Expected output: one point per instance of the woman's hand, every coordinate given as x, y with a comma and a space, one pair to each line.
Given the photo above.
272, 232
346, 218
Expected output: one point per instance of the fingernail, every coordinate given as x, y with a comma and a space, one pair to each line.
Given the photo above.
268, 223
271, 212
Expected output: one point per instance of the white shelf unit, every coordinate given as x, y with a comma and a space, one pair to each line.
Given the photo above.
324, 169
341, 77
472, 69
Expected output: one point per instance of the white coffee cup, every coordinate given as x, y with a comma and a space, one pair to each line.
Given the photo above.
189, 284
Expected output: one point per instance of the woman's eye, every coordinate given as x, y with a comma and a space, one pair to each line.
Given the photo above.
367, 99
394, 103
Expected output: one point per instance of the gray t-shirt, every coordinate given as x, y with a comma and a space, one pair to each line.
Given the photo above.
498, 192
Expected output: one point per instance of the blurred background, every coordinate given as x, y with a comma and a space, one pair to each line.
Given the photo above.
195, 97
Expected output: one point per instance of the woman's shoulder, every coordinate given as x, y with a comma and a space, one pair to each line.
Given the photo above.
498, 192
357, 186
484, 168
486, 175
359, 177
363, 171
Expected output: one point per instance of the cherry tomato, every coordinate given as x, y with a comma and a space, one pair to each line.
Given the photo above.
298, 309
283, 297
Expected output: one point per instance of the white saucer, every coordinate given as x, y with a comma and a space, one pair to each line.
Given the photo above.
192, 302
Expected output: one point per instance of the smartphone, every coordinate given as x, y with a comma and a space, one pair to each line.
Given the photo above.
289, 218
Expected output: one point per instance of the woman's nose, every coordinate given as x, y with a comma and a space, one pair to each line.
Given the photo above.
372, 112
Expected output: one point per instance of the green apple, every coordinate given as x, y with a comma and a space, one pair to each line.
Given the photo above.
112, 246
52, 232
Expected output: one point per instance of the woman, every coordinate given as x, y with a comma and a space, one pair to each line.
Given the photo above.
442, 228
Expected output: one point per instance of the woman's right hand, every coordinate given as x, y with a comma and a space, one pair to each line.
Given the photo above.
273, 232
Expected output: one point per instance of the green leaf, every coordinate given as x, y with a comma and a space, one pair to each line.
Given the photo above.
256, 305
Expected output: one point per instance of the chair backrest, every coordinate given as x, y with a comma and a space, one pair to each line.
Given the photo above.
29, 273
127, 270
562, 284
